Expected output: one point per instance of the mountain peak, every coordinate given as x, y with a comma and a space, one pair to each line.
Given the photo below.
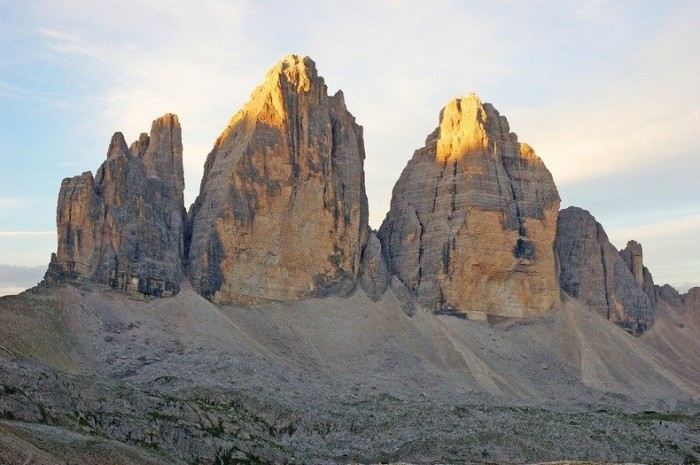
297, 71
472, 173
282, 209
117, 146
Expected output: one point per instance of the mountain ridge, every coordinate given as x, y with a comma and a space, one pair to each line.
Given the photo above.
271, 325
272, 148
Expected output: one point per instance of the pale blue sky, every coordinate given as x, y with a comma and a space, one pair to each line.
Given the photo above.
607, 93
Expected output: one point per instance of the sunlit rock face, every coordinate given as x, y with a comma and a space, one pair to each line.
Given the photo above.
473, 219
282, 209
125, 227
594, 272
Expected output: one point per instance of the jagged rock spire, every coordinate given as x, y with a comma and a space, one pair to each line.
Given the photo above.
594, 272
282, 209
125, 227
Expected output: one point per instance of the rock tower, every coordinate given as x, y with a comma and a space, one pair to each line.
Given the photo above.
282, 210
473, 219
125, 226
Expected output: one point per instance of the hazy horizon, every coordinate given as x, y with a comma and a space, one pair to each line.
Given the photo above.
604, 92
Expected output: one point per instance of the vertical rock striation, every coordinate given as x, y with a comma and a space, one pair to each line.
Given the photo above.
634, 258
125, 227
593, 271
282, 209
473, 219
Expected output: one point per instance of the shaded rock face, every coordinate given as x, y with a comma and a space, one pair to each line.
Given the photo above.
593, 271
125, 226
634, 259
473, 219
691, 300
374, 274
282, 209
670, 295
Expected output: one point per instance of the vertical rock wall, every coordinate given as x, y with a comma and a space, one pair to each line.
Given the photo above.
594, 272
282, 210
473, 219
125, 226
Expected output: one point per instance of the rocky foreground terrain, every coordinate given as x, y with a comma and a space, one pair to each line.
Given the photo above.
97, 375
269, 324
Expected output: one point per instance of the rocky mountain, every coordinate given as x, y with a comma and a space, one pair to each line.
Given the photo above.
282, 210
691, 300
125, 226
612, 283
282, 215
294, 334
473, 219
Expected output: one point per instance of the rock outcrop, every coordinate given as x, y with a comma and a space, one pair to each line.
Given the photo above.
634, 258
670, 295
473, 219
125, 226
374, 274
593, 271
282, 209
691, 300
688, 302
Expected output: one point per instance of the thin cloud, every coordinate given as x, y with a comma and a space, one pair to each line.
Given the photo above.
643, 110
65, 42
11, 203
673, 228
186, 62
591, 10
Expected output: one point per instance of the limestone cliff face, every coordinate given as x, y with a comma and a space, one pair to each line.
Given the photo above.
594, 272
282, 209
473, 219
688, 302
125, 227
634, 259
